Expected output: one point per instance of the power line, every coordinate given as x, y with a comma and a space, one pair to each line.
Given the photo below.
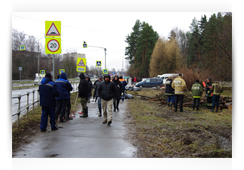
70, 26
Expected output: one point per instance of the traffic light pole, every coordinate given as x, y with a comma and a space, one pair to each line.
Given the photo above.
104, 51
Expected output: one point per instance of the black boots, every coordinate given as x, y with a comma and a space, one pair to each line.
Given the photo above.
85, 113
117, 104
100, 112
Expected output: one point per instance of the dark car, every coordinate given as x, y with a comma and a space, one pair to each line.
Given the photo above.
150, 82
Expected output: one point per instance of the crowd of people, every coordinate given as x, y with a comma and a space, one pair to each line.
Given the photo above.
55, 97
176, 88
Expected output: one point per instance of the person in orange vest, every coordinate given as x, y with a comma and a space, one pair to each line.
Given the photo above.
123, 83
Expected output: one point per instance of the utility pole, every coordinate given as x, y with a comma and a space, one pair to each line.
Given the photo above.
105, 57
53, 69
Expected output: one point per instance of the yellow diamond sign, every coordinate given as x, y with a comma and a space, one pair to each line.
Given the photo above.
81, 65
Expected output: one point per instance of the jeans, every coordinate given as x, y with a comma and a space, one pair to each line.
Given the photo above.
177, 99
123, 96
99, 102
171, 98
215, 101
194, 102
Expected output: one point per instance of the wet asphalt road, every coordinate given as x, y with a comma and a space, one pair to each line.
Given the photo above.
83, 138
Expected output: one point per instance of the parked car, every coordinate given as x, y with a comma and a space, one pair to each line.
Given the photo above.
150, 82
167, 75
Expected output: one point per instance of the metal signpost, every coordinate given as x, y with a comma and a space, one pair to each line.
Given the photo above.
20, 69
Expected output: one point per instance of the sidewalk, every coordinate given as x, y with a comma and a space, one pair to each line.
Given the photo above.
84, 138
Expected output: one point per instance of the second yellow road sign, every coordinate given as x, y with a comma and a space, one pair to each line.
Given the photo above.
81, 65
53, 45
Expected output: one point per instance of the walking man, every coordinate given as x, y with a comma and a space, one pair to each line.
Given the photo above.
64, 88
48, 90
169, 91
96, 84
83, 94
196, 90
179, 85
217, 90
107, 91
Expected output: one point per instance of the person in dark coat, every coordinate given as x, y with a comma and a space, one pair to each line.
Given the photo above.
208, 93
123, 84
90, 87
116, 98
107, 90
64, 88
83, 94
169, 91
96, 95
95, 88
48, 90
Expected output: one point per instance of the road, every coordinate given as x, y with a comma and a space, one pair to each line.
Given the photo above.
85, 138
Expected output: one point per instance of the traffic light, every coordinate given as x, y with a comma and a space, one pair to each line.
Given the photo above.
84, 45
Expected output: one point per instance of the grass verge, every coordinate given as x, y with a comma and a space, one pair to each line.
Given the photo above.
164, 133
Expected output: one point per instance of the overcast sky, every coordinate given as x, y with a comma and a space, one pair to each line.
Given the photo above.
103, 29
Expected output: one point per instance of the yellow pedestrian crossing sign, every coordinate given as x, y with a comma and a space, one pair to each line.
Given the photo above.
22, 48
61, 71
105, 71
42, 72
81, 65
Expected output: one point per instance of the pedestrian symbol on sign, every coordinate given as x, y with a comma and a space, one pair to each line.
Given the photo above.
81, 63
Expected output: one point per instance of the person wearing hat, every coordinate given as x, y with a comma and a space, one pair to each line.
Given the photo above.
123, 84
64, 88
48, 90
179, 85
96, 84
169, 91
196, 90
107, 90
83, 94
89, 88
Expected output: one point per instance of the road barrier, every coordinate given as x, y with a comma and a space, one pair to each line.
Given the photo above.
28, 105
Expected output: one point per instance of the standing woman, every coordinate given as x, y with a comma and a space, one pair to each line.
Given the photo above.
208, 93
116, 98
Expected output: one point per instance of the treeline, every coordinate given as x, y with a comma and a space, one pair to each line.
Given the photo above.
28, 59
204, 51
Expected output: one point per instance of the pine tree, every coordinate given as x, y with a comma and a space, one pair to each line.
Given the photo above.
132, 41
146, 43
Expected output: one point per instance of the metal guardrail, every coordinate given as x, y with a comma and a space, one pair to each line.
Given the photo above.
27, 107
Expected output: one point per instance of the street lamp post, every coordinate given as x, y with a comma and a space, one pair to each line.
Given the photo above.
38, 61
104, 52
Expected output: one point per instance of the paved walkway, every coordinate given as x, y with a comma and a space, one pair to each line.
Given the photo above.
84, 138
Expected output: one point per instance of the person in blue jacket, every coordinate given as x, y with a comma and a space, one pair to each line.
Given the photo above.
64, 88
48, 90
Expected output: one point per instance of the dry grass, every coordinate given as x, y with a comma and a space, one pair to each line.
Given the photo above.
164, 133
